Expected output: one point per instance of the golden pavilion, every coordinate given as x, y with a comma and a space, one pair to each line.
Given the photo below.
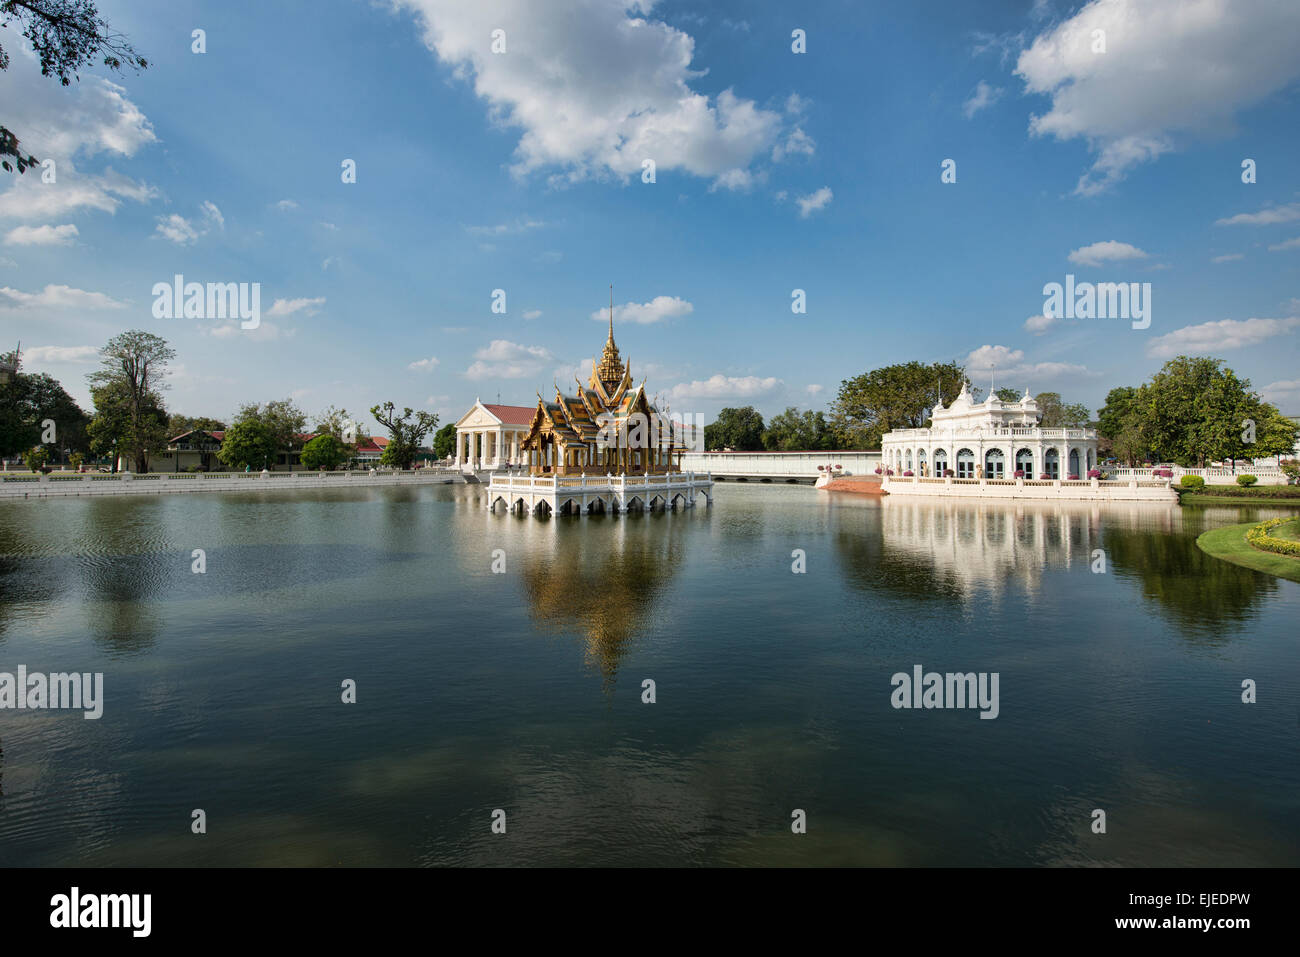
608, 427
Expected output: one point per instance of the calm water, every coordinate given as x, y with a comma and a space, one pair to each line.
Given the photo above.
522, 690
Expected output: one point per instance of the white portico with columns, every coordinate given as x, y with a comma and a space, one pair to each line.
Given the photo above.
489, 436
990, 440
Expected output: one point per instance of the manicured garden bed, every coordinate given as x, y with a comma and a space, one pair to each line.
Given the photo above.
1236, 495
1229, 543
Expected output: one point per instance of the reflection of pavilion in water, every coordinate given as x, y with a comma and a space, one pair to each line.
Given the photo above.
608, 587
964, 547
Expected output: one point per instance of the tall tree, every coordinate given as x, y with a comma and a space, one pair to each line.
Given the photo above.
248, 444
132, 376
180, 424
406, 432
444, 441
66, 36
899, 396
795, 431
27, 403
338, 423
283, 421
739, 429
119, 426
1055, 414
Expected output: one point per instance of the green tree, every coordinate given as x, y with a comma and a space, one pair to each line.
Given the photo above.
738, 429
338, 423
27, 402
283, 421
899, 396
444, 441
1120, 403
795, 431
1055, 414
180, 424
325, 452
132, 377
1007, 395
66, 35
36, 457
405, 431
248, 444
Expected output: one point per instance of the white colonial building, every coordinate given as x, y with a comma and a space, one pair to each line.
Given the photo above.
990, 440
488, 436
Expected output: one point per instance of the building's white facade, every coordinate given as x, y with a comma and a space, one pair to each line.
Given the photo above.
991, 440
489, 436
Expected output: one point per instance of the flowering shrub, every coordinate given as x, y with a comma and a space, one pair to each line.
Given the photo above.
1020, 473
947, 473
879, 470
1044, 476
908, 472
1094, 473
1246, 481
1259, 537
1072, 478
1163, 473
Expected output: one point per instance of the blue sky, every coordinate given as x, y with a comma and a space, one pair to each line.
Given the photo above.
775, 171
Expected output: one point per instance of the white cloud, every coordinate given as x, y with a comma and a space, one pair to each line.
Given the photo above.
814, 389
285, 205
657, 309
507, 360
1289, 244
56, 297
533, 314
1108, 251
60, 354
41, 235
183, 232
814, 202
1170, 67
1228, 257
797, 142
506, 229
424, 365
1010, 364
28, 198
1218, 336
1286, 390
796, 105
984, 96
177, 229
595, 87
287, 307
69, 125
725, 387
1268, 216
1038, 324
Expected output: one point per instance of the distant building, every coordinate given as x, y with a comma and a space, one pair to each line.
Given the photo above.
198, 449
490, 436
991, 439
370, 449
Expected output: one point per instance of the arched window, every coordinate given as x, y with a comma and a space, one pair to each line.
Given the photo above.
1052, 463
994, 464
920, 461
940, 462
1025, 463
965, 464
1074, 463
909, 459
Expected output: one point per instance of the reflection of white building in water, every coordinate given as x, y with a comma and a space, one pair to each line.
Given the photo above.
991, 440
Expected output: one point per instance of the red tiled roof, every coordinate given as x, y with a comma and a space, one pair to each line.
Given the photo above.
512, 414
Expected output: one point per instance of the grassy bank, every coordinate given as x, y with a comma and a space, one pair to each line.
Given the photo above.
1236, 495
1229, 543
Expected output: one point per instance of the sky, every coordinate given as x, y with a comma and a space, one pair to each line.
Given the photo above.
516, 161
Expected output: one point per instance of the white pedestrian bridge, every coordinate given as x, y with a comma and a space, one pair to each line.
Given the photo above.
778, 466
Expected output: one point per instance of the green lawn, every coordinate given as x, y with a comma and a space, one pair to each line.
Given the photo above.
1229, 544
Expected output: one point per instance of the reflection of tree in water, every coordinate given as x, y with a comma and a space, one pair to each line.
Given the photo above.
604, 577
1206, 596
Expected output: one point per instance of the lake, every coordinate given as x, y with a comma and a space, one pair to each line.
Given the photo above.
1120, 650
